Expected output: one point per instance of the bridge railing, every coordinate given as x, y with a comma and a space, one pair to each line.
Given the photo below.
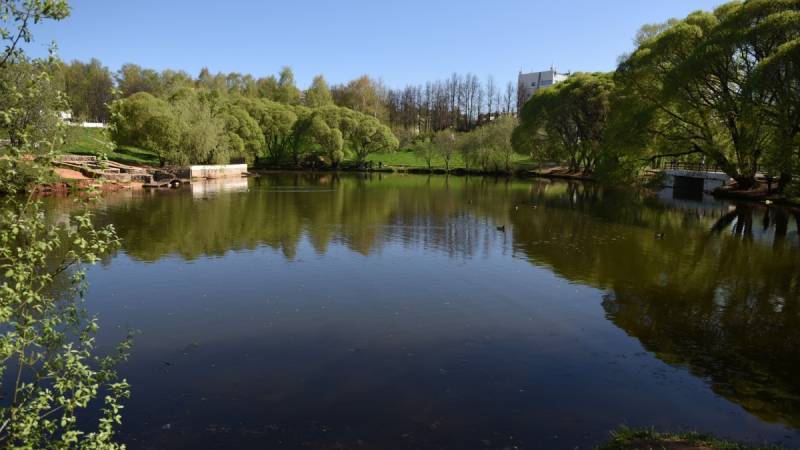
695, 167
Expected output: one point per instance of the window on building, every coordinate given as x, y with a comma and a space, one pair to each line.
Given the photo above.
533, 84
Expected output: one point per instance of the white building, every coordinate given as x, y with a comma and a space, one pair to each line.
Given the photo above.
529, 83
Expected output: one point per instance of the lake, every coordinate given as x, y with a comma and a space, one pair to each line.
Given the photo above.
413, 312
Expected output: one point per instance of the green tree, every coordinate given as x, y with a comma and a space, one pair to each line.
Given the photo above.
362, 95
147, 122
173, 81
88, 88
132, 79
496, 142
318, 94
287, 91
202, 139
368, 135
766, 34
702, 85
242, 132
267, 88
30, 102
446, 144
426, 150
567, 122
276, 122
467, 146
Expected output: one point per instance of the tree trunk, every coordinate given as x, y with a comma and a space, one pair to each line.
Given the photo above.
784, 181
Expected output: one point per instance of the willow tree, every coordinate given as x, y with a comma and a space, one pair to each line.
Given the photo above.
147, 122
567, 122
766, 34
718, 84
368, 135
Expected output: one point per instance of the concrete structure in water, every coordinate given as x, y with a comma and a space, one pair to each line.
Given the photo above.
218, 171
529, 83
694, 180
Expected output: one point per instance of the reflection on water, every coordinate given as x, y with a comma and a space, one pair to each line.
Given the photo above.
205, 188
324, 311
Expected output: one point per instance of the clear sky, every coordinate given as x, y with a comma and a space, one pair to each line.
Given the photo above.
400, 41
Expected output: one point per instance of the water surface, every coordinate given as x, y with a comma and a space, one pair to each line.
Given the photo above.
390, 312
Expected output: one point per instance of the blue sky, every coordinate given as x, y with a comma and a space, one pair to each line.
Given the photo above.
402, 41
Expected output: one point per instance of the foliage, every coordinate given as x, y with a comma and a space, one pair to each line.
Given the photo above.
242, 133
132, 79
89, 89
201, 132
318, 94
426, 151
276, 122
446, 146
195, 126
363, 95
367, 135
489, 146
50, 368
30, 101
17, 16
722, 84
48, 339
567, 121
147, 122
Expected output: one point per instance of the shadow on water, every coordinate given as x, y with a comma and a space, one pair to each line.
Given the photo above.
325, 311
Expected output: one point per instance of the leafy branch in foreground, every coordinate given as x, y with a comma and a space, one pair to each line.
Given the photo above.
55, 382
47, 346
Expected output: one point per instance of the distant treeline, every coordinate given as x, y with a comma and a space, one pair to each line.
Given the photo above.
213, 118
459, 102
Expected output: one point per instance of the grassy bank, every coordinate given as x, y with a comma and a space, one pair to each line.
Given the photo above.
631, 439
94, 141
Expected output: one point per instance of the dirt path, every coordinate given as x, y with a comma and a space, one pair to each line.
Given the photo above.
69, 174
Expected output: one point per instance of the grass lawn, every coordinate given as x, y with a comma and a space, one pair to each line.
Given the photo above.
410, 159
94, 141
631, 439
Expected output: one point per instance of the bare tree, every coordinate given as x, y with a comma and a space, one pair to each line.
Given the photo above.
491, 92
510, 97
459, 102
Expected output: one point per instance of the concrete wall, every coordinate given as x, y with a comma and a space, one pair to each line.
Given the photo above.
221, 171
711, 180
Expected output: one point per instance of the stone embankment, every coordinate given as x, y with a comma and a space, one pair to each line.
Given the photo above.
77, 167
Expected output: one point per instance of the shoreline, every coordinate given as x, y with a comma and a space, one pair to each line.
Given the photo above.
459, 171
69, 181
